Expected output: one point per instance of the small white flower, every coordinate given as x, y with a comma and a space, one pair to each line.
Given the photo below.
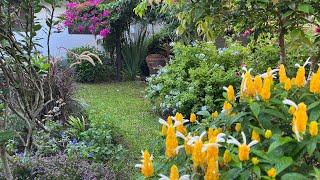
233, 140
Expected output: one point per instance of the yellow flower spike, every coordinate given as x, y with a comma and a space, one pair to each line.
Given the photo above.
265, 93
146, 166
187, 147
268, 134
219, 130
227, 106
164, 130
293, 81
282, 74
193, 118
226, 156
255, 136
198, 157
230, 92
257, 83
301, 117
291, 110
249, 85
169, 120
215, 114
313, 128
210, 133
287, 84
171, 142
300, 77
212, 151
272, 173
212, 170
174, 174
315, 83
270, 75
244, 149
238, 127
255, 161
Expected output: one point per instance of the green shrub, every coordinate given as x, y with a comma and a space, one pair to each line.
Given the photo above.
86, 72
189, 82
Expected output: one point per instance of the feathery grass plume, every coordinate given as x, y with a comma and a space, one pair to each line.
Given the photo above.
255, 136
86, 55
282, 74
313, 128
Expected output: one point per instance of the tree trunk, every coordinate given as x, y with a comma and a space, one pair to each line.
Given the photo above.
119, 62
4, 159
281, 46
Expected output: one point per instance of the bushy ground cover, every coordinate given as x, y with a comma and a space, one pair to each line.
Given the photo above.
125, 103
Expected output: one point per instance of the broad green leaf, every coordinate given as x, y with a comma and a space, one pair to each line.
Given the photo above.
305, 8
313, 105
278, 142
255, 108
311, 147
274, 113
290, 176
257, 170
314, 115
283, 163
231, 174
236, 118
288, 13
245, 174
6, 135
204, 113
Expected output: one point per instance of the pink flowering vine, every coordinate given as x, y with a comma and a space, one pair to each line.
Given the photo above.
87, 16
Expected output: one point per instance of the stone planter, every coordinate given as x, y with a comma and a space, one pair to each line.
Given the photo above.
155, 61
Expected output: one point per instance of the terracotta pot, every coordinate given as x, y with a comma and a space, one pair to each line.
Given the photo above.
155, 61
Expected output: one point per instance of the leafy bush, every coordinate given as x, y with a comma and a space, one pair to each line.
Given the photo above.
86, 72
190, 80
268, 130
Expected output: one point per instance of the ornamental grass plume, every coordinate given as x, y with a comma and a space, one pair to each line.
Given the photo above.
313, 128
268, 134
226, 156
300, 118
238, 127
265, 93
244, 149
255, 136
287, 84
193, 118
230, 92
257, 84
146, 166
212, 170
315, 83
272, 173
282, 74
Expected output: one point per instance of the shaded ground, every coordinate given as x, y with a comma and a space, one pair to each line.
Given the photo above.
125, 102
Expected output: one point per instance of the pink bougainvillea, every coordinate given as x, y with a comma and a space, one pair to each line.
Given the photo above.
87, 16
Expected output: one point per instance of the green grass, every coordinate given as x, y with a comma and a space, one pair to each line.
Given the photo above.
126, 104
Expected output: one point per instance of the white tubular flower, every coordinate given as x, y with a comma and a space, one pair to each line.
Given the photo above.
219, 138
267, 74
291, 103
305, 63
196, 138
162, 121
184, 177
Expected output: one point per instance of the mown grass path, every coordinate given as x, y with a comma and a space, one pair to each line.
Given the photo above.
125, 102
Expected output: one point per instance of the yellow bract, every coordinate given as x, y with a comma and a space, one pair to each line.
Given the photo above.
265, 93
231, 96
282, 74
313, 128
287, 84
226, 156
147, 167
226, 107
212, 171
247, 88
193, 118
257, 83
174, 174
268, 134
300, 118
270, 75
171, 142
300, 78
238, 127
164, 130
291, 110
272, 173
315, 83
255, 160
198, 157
215, 114
255, 136
244, 151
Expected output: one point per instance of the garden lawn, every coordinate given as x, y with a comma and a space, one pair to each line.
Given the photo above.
125, 102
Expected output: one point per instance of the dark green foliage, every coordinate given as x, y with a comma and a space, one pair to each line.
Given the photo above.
86, 72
